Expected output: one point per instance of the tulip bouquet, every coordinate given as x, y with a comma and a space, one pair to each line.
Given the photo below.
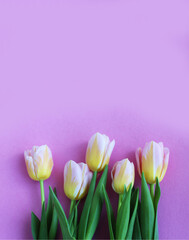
136, 216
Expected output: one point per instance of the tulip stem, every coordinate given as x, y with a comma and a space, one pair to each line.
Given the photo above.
152, 191
42, 192
72, 205
120, 201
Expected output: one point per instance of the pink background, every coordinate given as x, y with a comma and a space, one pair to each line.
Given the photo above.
71, 68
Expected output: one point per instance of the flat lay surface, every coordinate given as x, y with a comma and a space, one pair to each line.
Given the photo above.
69, 69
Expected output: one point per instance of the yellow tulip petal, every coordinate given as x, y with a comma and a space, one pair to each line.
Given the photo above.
43, 162
85, 184
72, 179
152, 161
122, 175
95, 152
98, 151
108, 153
77, 178
30, 166
39, 162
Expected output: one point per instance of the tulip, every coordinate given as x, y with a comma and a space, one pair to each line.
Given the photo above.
77, 178
39, 165
99, 150
39, 162
153, 161
123, 175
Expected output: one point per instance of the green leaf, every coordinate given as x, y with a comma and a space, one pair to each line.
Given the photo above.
147, 211
133, 207
43, 232
49, 211
52, 218
123, 215
110, 214
137, 233
54, 225
61, 216
156, 201
35, 224
86, 209
96, 206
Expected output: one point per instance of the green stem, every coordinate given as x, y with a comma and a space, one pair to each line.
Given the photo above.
152, 191
72, 205
120, 200
42, 192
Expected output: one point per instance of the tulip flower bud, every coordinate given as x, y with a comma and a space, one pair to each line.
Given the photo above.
123, 175
99, 150
77, 178
153, 161
39, 162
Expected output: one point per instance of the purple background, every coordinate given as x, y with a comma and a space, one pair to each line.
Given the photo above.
71, 68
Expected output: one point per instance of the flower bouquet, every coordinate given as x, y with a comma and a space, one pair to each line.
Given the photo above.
136, 216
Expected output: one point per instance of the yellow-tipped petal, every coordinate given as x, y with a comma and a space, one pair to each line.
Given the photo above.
151, 161
39, 162
77, 178
30, 166
98, 151
43, 162
107, 156
72, 179
122, 174
86, 180
95, 152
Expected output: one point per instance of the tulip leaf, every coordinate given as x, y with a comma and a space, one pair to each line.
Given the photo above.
54, 225
110, 214
96, 206
43, 230
35, 225
61, 217
52, 218
147, 214
86, 209
156, 200
72, 226
123, 215
136, 231
133, 209
49, 211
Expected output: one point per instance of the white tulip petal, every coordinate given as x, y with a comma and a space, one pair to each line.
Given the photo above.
108, 153
157, 156
76, 175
